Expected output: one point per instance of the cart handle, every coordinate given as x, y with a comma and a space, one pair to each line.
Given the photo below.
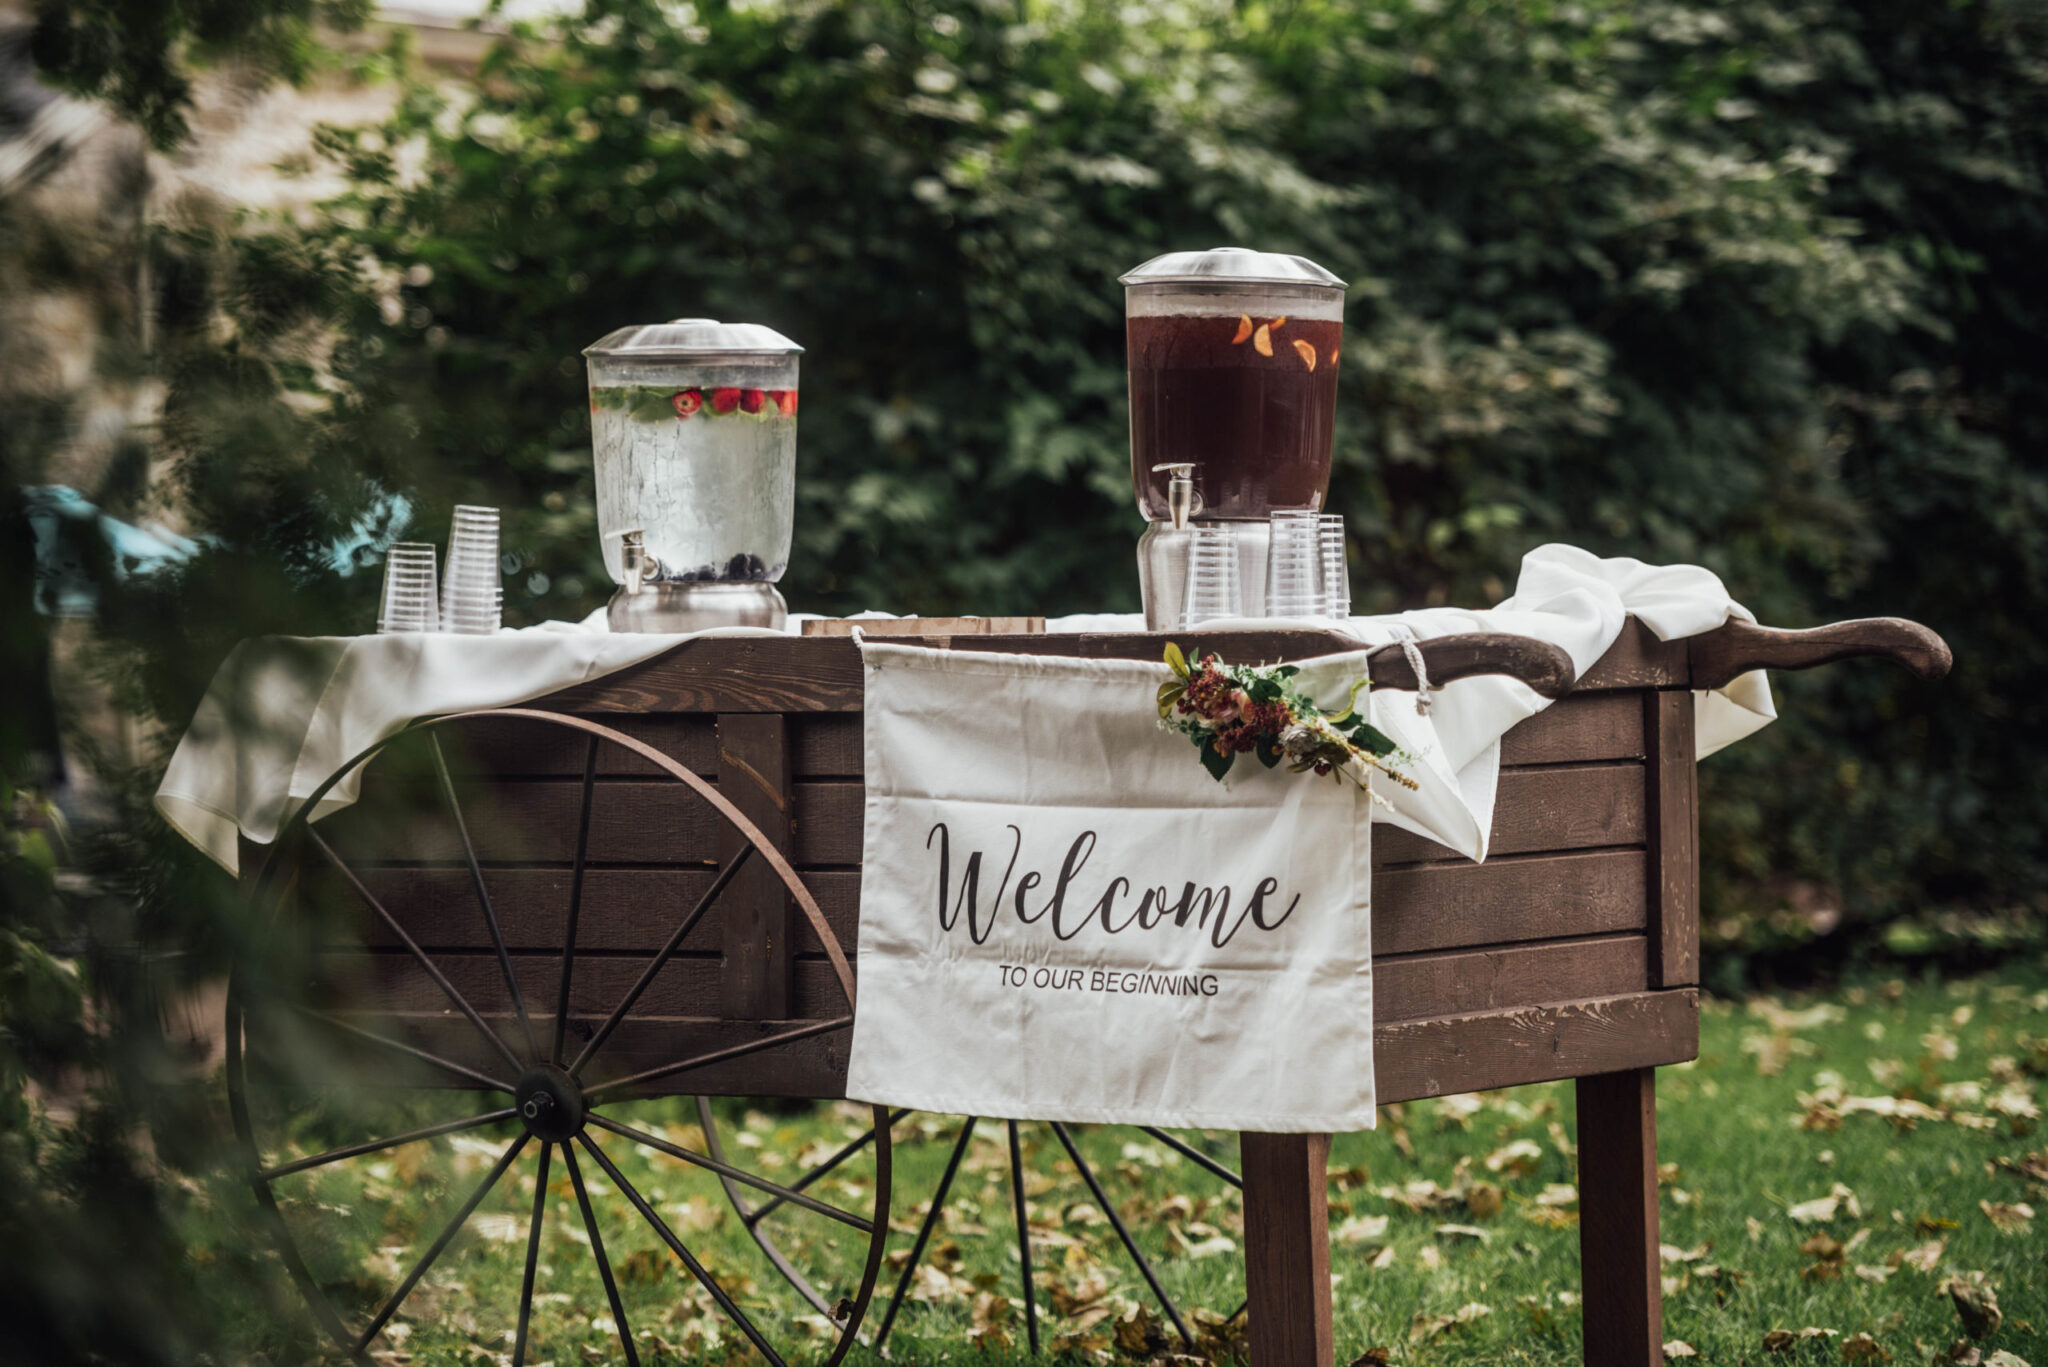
1542, 666
1735, 648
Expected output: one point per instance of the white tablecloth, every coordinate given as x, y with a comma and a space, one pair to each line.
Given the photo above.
283, 713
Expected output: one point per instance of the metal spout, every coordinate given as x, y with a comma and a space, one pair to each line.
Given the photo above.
634, 560
1182, 501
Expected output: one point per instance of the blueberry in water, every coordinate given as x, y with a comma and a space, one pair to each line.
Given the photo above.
736, 568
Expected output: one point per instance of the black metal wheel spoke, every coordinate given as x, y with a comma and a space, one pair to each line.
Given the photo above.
1023, 1237
441, 1243
575, 900
704, 1279
378, 1145
780, 1192
675, 942
433, 969
400, 1046
823, 1027
540, 1207
604, 1267
924, 1232
852, 1147
1130, 1244
1194, 1155
483, 896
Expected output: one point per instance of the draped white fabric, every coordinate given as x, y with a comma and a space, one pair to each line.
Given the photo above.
283, 713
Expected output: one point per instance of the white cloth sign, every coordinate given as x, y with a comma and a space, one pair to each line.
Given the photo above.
1064, 917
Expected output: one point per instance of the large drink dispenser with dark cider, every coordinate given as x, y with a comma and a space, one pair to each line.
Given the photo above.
1233, 371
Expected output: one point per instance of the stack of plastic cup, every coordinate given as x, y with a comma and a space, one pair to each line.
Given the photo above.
1213, 587
1336, 572
1294, 565
472, 597
410, 600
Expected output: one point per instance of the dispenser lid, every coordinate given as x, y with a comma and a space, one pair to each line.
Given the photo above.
1230, 266
692, 338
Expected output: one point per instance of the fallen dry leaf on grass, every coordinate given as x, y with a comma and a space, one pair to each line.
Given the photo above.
1823, 1209
1863, 1348
1784, 1340
2007, 1217
1678, 1348
1976, 1304
1427, 1326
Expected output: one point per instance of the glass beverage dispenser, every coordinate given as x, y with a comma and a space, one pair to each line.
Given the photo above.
1233, 372
693, 431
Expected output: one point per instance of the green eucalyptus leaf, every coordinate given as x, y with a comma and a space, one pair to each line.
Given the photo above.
1372, 740
1269, 754
1176, 661
1218, 764
1169, 694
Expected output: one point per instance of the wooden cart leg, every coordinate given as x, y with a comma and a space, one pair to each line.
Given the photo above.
1618, 1258
1287, 1249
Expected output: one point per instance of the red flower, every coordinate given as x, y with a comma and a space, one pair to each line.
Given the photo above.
725, 400
686, 401
751, 400
785, 399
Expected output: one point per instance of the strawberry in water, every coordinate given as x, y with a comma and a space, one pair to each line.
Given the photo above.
752, 400
686, 401
785, 400
725, 400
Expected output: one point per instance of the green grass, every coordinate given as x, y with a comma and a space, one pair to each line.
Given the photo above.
1450, 1205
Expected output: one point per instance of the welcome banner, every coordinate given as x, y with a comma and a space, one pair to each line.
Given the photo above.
1063, 917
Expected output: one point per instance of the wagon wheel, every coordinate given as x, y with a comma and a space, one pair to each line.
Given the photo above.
300, 1063
757, 1216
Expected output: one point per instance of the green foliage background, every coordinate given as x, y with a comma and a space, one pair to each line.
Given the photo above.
1755, 286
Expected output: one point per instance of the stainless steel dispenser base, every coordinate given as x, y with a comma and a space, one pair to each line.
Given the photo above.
665, 608
1163, 568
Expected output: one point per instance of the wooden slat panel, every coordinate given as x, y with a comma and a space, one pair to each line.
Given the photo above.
1637, 659
1413, 1059
1597, 726
534, 822
522, 748
686, 986
1441, 1057
1674, 825
753, 772
1415, 986
1584, 727
1450, 906
728, 674
1544, 809
623, 909
826, 745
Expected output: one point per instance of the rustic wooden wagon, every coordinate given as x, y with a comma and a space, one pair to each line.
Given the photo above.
648, 885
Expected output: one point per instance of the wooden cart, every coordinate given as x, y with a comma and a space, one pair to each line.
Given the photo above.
651, 886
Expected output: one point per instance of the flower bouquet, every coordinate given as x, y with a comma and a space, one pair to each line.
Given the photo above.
1232, 710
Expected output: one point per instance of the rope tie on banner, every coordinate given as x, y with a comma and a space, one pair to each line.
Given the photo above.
1405, 637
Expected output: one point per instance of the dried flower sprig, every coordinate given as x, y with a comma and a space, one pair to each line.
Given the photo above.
1232, 710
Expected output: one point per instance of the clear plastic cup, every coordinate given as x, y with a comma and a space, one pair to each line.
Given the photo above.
1294, 565
411, 601
472, 594
1336, 570
1213, 587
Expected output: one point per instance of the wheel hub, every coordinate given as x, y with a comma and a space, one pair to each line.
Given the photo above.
550, 1104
